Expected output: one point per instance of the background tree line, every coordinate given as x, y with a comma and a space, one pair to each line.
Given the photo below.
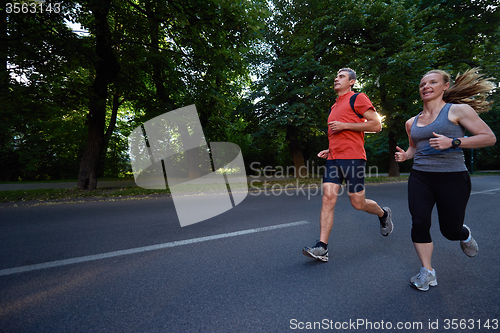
260, 73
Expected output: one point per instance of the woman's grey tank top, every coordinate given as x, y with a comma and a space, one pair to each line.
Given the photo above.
434, 160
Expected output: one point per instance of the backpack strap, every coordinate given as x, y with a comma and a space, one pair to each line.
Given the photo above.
351, 102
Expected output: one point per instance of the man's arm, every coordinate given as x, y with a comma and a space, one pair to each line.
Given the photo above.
372, 124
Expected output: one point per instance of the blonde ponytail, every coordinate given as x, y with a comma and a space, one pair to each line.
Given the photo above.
470, 88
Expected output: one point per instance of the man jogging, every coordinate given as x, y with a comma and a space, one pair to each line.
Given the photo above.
346, 159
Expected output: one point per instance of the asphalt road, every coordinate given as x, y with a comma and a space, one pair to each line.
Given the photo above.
127, 266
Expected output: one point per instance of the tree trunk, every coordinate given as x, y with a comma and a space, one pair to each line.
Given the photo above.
109, 133
166, 103
296, 151
393, 165
155, 59
5, 153
4, 49
106, 69
4, 70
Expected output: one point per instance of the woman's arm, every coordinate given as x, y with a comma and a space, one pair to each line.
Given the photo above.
465, 115
401, 155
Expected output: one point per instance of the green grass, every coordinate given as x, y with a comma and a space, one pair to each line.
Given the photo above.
62, 180
42, 195
68, 194
130, 192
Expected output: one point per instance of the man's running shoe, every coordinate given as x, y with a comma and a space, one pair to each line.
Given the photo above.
424, 279
470, 248
316, 252
386, 225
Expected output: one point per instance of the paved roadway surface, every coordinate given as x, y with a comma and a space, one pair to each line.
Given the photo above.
250, 276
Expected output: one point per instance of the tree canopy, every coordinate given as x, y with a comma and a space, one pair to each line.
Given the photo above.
260, 73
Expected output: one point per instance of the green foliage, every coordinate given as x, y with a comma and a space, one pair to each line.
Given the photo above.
41, 132
170, 55
489, 158
260, 73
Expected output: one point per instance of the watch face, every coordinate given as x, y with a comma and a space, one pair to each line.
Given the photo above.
456, 143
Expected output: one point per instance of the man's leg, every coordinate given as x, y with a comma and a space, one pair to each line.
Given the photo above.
359, 202
330, 195
320, 250
354, 171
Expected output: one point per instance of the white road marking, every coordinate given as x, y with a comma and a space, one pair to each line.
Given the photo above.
486, 191
57, 263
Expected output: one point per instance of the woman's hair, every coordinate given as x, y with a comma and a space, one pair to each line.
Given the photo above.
469, 88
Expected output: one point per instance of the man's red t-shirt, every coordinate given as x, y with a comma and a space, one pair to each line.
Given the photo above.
348, 144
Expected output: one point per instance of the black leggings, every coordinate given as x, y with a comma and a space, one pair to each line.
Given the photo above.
450, 192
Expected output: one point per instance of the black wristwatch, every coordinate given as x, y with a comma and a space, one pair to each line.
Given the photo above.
455, 143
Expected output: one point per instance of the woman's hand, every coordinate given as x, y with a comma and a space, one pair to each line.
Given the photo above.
400, 155
440, 141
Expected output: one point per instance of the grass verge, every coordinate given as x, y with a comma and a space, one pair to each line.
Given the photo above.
42, 195
46, 195
67, 194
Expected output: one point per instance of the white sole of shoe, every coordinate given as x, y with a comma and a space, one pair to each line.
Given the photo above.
432, 284
308, 254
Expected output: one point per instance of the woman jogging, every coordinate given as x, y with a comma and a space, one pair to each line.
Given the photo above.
439, 175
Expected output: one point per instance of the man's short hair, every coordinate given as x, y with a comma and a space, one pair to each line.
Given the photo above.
352, 74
